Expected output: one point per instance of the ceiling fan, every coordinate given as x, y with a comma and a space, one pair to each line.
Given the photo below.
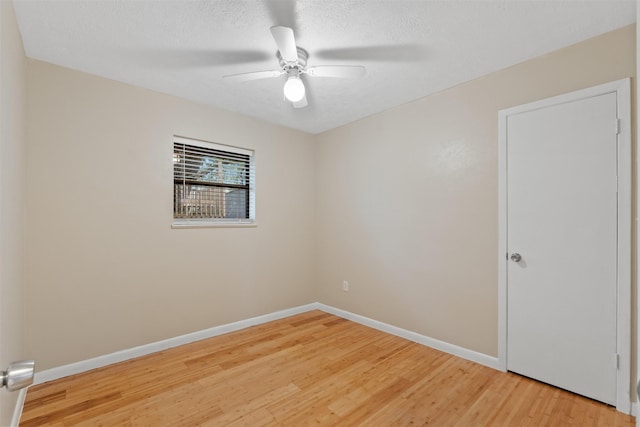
293, 63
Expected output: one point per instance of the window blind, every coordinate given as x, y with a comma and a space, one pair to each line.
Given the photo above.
212, 182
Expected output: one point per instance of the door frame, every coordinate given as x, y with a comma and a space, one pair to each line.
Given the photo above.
622, 88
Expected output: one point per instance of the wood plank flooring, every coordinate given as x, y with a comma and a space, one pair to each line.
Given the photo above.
309, 369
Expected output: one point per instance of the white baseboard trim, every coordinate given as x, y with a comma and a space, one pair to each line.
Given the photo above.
634, 410
474, 356
17, 410
143, 350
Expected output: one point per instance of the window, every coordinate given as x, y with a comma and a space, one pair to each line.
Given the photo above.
213, 184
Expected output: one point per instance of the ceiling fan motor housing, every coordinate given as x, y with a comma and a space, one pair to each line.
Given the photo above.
298, 65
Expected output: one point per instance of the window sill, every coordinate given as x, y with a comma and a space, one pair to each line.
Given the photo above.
205, 224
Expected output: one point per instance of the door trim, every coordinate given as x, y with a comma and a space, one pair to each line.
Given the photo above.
622, 88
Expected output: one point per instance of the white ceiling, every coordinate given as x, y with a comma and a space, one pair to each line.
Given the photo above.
410, 48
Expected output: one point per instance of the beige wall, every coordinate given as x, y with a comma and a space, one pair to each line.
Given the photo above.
635, 254
105, 270
12, 174
407, 199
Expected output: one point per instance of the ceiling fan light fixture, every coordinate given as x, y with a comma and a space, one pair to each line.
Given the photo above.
293, 62
294, 89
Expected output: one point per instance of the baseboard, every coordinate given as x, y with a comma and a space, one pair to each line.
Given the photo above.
17, 410
143, 350
474, 356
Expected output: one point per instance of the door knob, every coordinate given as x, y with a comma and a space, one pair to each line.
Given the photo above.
515, 257
18, 375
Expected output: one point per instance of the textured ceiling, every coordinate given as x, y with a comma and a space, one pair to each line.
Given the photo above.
410, 48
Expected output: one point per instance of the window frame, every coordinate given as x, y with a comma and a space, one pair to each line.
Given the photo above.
216, 222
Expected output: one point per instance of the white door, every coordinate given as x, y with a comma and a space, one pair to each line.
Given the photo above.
562, 221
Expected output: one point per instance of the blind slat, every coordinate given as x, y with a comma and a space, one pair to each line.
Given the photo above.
177, 140
198, 151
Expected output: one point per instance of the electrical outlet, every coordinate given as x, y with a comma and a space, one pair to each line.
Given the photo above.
345, 286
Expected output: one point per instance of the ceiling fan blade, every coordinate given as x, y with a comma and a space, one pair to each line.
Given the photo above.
339, 71
255, 75
379, 53
286, 42
302, 103
184, 58
282, 11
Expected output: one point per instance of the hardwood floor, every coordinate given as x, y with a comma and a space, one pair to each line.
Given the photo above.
309, 369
